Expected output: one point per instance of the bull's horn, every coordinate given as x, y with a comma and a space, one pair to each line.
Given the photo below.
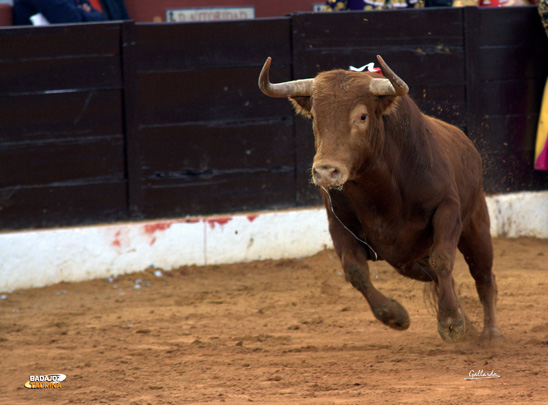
293, 88
391, 86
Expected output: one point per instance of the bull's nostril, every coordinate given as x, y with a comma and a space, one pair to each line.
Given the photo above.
317, 175
326, 175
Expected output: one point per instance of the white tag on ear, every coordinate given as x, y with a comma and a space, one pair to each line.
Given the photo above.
369, 67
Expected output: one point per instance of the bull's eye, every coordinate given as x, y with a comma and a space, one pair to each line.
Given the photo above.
363, 117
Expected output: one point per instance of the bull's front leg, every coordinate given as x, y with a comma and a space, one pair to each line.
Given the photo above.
447, 229
353, 257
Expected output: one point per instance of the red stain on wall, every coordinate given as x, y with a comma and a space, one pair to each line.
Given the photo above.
151, 229
158, 226
116, 242
252, 218
221, 221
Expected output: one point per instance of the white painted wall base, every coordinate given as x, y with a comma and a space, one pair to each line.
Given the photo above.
38, 258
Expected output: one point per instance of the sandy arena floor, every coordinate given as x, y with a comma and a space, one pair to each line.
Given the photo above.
290, 331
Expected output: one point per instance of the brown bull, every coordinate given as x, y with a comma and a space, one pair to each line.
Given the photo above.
397, 185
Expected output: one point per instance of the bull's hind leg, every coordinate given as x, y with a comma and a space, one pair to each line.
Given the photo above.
477, 249
354, 262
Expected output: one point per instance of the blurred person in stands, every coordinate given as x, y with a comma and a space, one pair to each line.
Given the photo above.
6, 15
340, 5
114, 9
543, 12
54, 12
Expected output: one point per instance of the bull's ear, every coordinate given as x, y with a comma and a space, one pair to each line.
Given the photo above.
387, 104
302, 105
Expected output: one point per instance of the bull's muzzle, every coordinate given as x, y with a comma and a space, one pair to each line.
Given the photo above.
327, 176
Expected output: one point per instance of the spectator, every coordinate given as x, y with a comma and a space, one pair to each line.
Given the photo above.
438, 3
466, 3
6, 15
339, 5
543, 11
55, 11
114, 9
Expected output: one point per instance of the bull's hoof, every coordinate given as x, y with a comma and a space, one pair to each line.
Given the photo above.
452, 330
491, 335
393, 315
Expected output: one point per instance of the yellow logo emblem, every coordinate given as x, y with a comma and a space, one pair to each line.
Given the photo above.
45, 381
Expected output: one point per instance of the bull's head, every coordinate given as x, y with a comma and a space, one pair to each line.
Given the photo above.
346, 109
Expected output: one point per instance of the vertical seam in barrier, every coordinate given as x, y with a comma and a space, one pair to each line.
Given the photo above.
205, 241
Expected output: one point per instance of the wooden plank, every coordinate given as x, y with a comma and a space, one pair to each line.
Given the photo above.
511, 172
430, 46
77, 159
511, 63
54, 116
207, 95
507, 134
32, 76
229, 192
417, 65
447, 103
60, 57
191, 162
215, 45
510, 97
424, 26
509, 26
61, 205
72, 40
185, 151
